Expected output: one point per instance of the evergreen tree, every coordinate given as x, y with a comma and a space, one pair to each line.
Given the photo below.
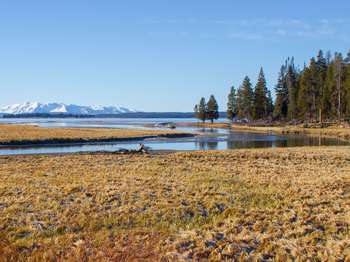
292, 86
328, 97
246, 99
202, 110
270, 106
347, 91
321, 64
338, 63
240, 112
260, 97
196, 111
232, 104
314, 89
304, 101
212, 110
281, 90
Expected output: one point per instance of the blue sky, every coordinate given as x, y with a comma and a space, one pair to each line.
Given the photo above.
156, 55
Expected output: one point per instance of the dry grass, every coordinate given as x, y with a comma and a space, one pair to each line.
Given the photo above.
338, 132
12, 133
248, 205
205, 125
332, 131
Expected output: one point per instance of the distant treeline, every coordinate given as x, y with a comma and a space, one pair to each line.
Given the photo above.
124, 115
319, 91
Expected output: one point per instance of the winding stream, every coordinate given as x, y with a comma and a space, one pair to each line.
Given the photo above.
210, 138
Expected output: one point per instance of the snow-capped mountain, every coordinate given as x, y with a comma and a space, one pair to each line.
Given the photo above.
36, 107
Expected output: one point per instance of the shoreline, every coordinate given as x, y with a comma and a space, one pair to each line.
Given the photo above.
86, 141
331, 132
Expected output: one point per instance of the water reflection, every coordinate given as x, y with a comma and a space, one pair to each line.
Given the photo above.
206, 145
211, 139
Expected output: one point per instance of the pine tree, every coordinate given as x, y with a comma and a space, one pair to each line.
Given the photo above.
270, 105
212, 110
321, 64
292, 86
232, 104
281, 91
240, 112
314, 90
347, 91
328, 96
202, 110
260, 97
338, 63
304, 101
246, 99
196, 111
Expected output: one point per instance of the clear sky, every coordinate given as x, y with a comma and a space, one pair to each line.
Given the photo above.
156, 55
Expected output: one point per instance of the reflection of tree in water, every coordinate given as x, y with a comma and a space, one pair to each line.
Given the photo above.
232, 144
213, 145
278, 141
206, 145
209, 130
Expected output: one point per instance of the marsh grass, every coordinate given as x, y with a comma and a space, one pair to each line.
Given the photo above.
17, 133
248, 205
332, 131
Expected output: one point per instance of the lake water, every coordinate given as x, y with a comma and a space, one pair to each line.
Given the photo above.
211, 139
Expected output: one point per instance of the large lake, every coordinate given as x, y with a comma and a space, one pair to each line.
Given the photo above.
211, 138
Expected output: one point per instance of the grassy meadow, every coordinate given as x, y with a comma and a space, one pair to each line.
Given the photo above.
33, 134
332, 131
288, 204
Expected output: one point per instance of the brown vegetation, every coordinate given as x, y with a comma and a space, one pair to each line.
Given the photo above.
248, 205
331, 131
27, 134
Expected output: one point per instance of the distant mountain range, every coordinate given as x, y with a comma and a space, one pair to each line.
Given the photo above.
60, 108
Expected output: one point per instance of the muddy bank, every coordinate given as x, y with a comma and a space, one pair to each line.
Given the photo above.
86, 141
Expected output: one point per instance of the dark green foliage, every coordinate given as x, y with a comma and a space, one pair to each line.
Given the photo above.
202, 110
245, 99
318, 92
292, 85
270, 106
347, 90
304, 101
260, 98
281, 90
212, 110
232, 108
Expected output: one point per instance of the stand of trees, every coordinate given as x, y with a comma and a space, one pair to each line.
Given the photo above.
318, 92
207, 111
250, 103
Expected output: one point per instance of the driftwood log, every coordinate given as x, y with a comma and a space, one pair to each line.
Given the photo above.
141, 150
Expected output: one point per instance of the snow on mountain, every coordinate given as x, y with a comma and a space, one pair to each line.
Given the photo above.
36, 107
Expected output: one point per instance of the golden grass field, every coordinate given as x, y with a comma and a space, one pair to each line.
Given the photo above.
287, 204
10, 133
337, 132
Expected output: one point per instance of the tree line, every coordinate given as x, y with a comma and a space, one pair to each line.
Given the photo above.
207, 111
320, 91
